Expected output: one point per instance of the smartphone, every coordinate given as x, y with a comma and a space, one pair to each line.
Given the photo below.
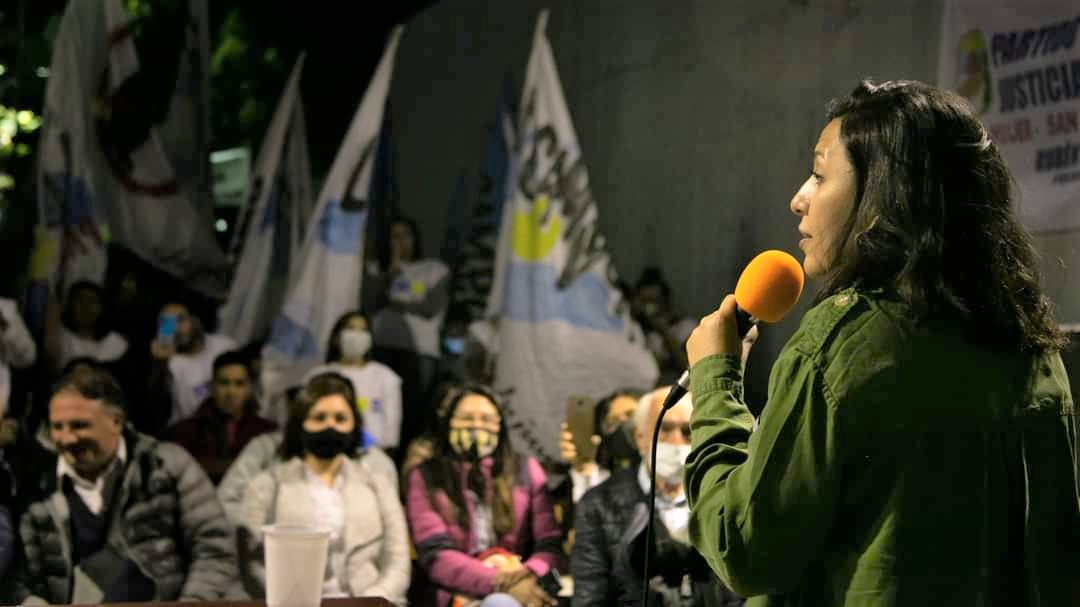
166, 333
580, 413
551, 582
454, 345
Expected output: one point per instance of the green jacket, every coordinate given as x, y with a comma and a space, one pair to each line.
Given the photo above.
887, 470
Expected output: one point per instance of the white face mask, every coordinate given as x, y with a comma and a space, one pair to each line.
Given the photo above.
355, 343
669, 462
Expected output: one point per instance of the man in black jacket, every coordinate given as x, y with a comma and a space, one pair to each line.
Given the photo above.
609, 545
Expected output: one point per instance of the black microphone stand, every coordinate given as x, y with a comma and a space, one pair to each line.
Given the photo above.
743, 322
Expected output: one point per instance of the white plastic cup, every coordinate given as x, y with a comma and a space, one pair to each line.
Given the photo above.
295, 564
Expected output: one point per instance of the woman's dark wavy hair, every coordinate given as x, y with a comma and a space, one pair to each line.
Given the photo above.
333, 344
442, 475
67, 318
319, 386
933, 223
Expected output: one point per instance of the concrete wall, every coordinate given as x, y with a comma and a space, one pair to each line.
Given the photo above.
696, 118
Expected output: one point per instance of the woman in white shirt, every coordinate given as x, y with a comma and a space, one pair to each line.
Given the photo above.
82, 332
322, 480
378, 388
413, 293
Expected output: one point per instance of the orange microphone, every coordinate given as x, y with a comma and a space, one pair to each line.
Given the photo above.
768, 288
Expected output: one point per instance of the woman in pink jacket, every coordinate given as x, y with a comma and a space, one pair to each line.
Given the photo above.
480, 514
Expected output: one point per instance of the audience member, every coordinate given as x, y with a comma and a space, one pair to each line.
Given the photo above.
481, 499
322, 480
613, 434
17, 348
414, 293
128, 518
83, 331
665, 334
226, 421
186, 364
378, 388
609, 547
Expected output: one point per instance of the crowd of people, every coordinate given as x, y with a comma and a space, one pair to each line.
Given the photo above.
856, 485
145, 471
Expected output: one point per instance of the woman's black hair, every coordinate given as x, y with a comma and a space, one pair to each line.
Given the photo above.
933, 223
318, 387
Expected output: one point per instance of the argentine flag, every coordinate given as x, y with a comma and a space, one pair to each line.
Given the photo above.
564, 329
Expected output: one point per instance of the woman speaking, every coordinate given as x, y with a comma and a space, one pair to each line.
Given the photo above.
917, 445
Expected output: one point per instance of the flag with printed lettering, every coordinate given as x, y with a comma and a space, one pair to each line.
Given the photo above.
273, 229
564, 328
327, 276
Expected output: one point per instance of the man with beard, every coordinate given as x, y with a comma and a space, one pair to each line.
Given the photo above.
125, 517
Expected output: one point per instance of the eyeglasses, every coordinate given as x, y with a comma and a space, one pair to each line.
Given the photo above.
667, 428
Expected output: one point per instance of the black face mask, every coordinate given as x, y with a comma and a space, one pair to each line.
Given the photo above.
328, 443
619, 444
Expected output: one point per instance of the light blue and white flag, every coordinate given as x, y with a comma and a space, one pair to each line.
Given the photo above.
327, 275
280, 192
564, 329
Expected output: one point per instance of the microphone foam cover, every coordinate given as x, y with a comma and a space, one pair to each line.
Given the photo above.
770, 285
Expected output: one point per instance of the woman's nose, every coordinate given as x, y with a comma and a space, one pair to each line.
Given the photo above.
799, 202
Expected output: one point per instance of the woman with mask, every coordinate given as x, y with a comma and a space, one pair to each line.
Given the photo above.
613, 433
478, 499
378, 388
323, 481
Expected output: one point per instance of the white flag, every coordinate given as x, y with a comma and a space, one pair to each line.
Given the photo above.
185, 132
329, 270
103, 171
71, 236
1016, 62
565, 329
279, 195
